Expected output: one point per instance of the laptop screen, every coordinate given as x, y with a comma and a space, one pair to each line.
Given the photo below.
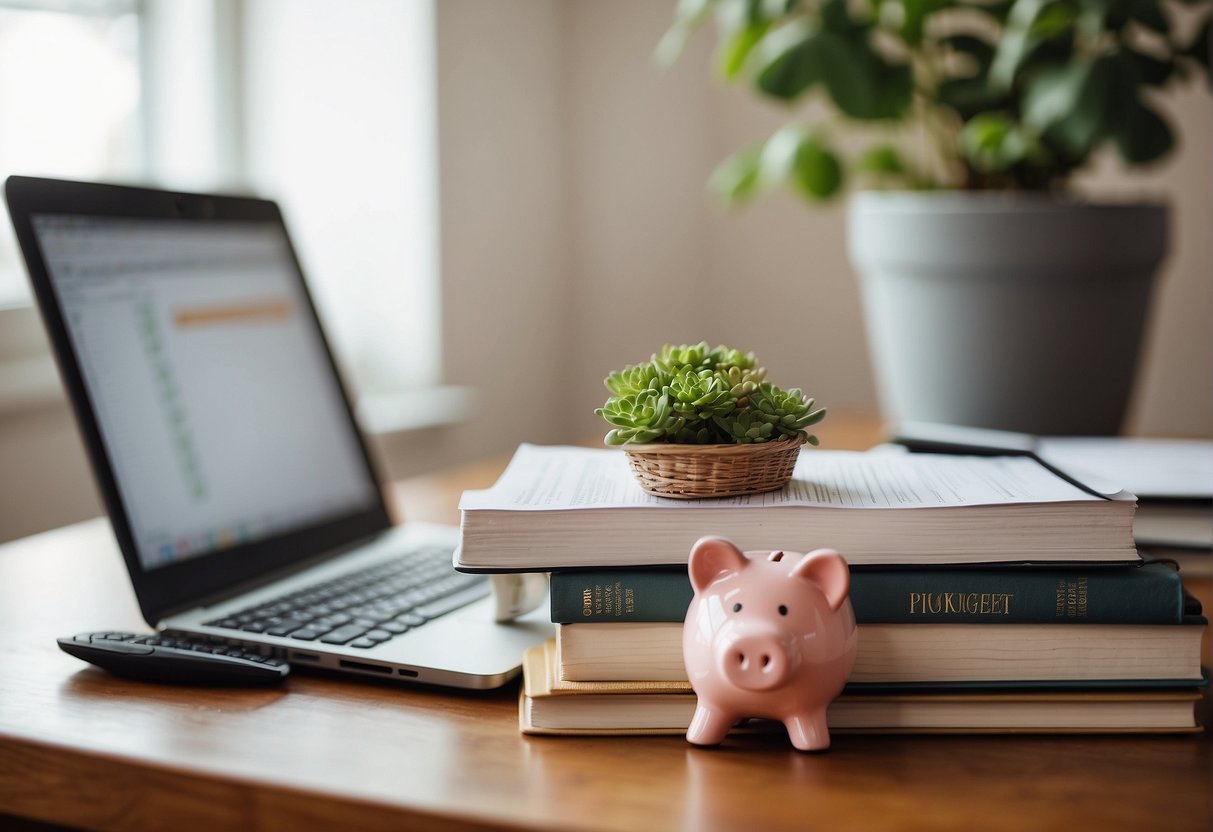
219, 412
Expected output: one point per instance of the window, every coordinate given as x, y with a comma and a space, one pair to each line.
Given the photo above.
69, 102
340, 122
326, 106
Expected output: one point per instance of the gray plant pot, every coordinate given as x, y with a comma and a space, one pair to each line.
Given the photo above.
1017, 312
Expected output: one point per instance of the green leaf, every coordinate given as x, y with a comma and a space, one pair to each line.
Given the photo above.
1053, 93
883, 159
969, 96
1143, 137
736, 178
1017, 42
861, 83
791, 62
914, 17
992, 142
1077, 105
778, 157
817, 171
738, 48
793, 155
1053, 19
734, 15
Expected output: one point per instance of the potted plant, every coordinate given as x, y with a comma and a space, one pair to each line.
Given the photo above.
702, 422
993, 295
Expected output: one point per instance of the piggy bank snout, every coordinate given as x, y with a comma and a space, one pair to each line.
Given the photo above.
754, 661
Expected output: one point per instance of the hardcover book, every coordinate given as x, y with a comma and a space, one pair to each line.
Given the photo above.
1148, 593
549, 706
944, 653
560, 507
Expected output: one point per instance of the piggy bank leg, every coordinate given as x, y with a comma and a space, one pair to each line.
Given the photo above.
709, 725
809, 731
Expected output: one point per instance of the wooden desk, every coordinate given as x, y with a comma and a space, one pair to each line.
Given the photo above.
80, 747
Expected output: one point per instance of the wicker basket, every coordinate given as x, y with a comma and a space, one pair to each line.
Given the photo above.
691, 472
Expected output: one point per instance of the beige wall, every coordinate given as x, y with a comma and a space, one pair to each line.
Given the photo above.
44, 477
577, 237
504, 259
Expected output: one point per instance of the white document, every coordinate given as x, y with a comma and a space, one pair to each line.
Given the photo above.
546, 478
1154, 468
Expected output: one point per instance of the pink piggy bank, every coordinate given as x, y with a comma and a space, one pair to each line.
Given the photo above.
768, 634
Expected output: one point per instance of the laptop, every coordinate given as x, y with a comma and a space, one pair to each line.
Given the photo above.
239, 487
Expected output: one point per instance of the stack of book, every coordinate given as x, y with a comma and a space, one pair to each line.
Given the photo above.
991, 595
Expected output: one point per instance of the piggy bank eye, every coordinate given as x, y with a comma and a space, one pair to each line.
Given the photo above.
737, 608
783, 610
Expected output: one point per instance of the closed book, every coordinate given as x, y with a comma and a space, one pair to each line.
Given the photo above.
1148, 593
549, 706
563, 507
937, 653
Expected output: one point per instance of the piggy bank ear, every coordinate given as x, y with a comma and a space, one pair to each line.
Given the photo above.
712, 557
826, 569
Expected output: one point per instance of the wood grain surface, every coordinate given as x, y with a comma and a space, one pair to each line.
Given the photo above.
80, 747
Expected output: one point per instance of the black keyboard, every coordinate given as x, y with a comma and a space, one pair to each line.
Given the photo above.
367, 607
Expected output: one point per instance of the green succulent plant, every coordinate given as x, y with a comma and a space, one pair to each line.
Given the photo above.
699, 395
741, 382
787, 411
644, 416
746, 427
671, 358
724, 357
631, 380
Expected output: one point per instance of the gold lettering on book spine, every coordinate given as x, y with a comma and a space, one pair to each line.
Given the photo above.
1071, 601
960, 603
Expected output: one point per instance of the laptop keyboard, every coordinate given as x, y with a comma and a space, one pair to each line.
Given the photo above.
367, 607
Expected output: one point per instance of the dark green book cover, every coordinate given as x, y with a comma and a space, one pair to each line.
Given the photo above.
1147, 594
